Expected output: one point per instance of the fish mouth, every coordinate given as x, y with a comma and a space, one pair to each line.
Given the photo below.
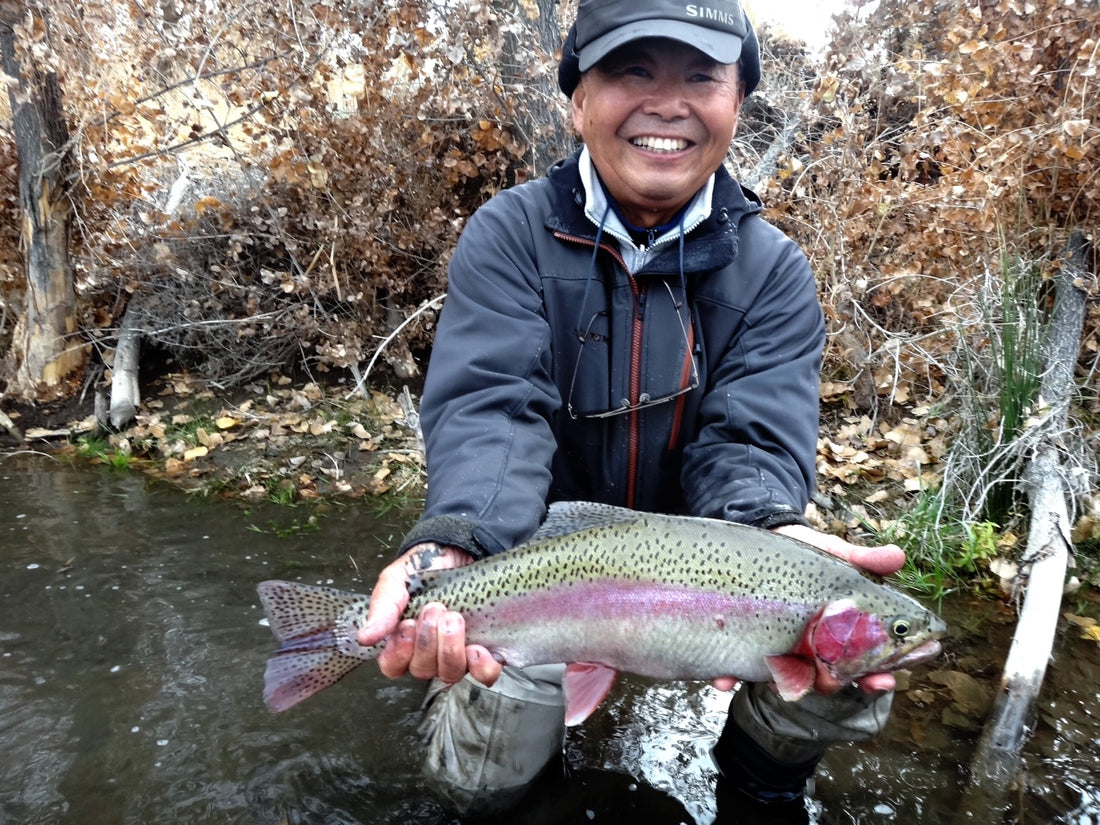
898, 660
922, 653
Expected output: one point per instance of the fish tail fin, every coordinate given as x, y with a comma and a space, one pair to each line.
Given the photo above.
294, 675
315, 627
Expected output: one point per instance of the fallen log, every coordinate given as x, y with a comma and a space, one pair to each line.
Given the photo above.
125, 389
995, 764
9, 425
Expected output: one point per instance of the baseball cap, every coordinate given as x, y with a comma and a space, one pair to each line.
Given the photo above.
720, 29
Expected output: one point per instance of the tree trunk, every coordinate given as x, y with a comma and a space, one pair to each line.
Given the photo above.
47, 350
539, 122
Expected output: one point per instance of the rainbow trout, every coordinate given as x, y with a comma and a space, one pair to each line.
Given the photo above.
606, 590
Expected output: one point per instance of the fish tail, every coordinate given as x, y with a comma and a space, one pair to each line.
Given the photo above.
316, 634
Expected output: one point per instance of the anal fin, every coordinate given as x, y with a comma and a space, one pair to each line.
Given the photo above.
585, 685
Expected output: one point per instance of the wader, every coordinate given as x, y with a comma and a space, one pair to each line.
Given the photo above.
486, 745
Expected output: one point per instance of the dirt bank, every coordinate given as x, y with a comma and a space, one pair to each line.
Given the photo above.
285, 440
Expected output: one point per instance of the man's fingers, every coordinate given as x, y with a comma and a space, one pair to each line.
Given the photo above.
434, 644
482, 665
394, 659
881, 561
451, 650
878, 682
425, 657
726, 683
387, 603
390, 596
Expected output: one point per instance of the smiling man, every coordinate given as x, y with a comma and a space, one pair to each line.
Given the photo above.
627, 330
657, 117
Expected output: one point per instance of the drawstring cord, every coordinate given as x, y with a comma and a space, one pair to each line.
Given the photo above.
591, 273
681, 240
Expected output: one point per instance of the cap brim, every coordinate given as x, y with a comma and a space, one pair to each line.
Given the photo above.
721, 47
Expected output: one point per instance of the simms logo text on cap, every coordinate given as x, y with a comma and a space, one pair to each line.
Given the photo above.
710, 13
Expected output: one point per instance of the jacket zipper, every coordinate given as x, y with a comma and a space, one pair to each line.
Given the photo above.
635, 369
633, 436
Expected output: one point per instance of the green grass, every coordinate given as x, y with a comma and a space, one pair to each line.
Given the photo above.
952, 532
188, 431
295, 527
99, 449
995, 373
942, 554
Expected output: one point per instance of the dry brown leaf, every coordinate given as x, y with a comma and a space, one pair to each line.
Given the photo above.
1080, 621
1091, 634
905, 434
1076, 128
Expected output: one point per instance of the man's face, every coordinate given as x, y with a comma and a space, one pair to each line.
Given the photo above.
657, 116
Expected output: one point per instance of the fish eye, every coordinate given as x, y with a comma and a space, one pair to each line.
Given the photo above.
900, 628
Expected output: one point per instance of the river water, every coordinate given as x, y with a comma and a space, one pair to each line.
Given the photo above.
132, 652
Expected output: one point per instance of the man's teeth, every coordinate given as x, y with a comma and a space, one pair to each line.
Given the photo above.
658, 144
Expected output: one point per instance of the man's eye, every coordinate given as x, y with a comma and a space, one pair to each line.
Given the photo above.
623, 70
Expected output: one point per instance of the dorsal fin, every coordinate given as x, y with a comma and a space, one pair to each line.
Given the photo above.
572, 516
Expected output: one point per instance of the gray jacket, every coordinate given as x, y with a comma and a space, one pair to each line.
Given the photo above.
513, 405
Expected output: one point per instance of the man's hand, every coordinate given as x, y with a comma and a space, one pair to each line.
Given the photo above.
881, 561
433, 644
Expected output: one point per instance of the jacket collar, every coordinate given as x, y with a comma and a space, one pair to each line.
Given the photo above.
717, 210
596, 206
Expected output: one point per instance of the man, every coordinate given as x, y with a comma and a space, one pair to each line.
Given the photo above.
627, 330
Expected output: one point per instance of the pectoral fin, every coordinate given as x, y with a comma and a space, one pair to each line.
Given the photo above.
585, 685
793, 675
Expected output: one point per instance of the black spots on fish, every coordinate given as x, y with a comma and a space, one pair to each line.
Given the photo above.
720, 622
293, 675
299, 610
705, 539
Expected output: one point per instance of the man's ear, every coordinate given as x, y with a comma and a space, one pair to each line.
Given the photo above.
577, 105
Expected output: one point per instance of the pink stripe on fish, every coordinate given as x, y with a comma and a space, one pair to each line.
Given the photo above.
616, 599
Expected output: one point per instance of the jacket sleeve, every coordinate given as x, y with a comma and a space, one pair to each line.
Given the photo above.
489, 396
754, 458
